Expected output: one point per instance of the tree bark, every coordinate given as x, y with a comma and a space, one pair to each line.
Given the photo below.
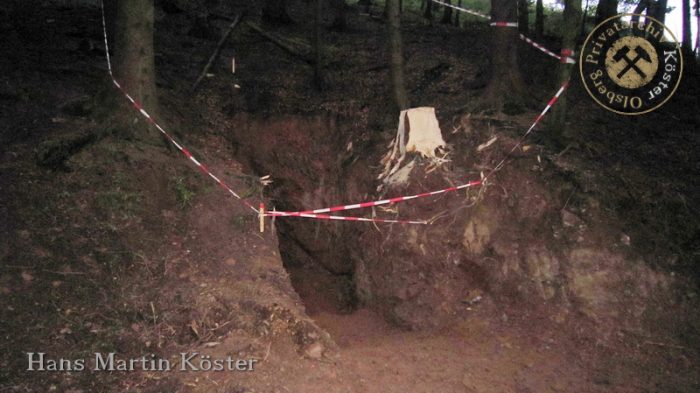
606, 9
457, 13
505, 84
584, 20
365, 4
340, 20
396, 55
134, 64
539, 19
657, 10
638, 10
318, 63
523, 16
686, 41
447, 13
570, 29
428, 14
697, 30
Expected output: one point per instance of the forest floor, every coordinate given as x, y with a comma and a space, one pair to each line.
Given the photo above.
108, 248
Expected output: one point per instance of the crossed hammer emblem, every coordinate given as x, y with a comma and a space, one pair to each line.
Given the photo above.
622, 54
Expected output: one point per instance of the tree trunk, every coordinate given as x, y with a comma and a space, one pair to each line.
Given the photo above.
396, 55
687, 42
365, 4
523, 16
275, 12
318, 61
697, 29
457, 14
134, 64
539, 19
570, 29
505, 84
657, 10
340, 20
584, 20
428, 14
638, 10
447, 13
606, 9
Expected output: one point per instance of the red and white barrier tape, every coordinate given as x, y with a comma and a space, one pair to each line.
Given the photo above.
504, 24
566, 56
376, 203
475, 13
539, 117
206, 171
152, 121
347, 218
316, 214
551, 102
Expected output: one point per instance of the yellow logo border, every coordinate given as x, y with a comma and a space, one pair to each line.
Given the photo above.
583, 79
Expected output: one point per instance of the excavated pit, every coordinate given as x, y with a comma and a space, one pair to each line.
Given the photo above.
519, 245
309, 164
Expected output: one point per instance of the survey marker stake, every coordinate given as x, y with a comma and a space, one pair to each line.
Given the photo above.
261, 217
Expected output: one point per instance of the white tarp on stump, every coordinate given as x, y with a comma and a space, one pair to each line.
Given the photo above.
424, 134
424, 137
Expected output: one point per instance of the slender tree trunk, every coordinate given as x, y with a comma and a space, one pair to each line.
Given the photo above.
428, 14
687, 43
396, 55
584, 20
505, 84
318, 58
697, 30
457, 13
658, 10
606, 9
447, 13
570, 29
365, 4
638, 10
134, 64
340, 20
523, 16
539, 19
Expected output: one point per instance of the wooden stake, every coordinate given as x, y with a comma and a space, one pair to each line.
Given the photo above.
216, 51
261, 217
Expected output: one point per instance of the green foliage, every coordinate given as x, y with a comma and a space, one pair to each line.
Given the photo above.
184, 194
119, 202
